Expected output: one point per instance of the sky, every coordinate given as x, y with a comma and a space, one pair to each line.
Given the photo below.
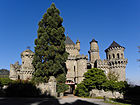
104, 20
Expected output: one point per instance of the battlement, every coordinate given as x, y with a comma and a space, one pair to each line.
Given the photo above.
118, 63
82, 57
102, 63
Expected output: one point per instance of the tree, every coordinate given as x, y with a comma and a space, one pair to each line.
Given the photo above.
61, 86
94, 78
50, 54
113, 76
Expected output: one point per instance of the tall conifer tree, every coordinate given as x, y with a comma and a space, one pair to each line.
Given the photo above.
50, 54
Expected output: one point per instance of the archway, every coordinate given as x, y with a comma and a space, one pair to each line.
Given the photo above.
71, 86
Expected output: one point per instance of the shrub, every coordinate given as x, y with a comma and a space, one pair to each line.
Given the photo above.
22, 89
61, 86
81, 90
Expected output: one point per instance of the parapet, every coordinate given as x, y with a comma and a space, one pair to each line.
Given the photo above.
82, 57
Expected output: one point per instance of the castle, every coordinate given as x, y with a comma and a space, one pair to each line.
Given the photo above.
77, 64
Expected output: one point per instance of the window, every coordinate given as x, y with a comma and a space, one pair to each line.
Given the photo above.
113, 55
18, 76
109, 56
118, 56
122, 55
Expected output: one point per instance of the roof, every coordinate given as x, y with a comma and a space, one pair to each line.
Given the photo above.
27, 50
93, 40
69, 41
113, 45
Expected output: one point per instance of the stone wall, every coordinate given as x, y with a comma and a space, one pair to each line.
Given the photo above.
102, 93
48, 88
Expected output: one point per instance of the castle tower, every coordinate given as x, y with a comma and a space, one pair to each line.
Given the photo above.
72, 48
117, 61
94, 51
78, 45
27, 67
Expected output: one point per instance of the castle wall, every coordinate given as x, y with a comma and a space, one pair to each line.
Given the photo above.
81, 67
72, 50
71, 65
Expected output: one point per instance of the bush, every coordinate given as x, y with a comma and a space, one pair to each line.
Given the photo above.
5, 81
96, 79
61, 86
81, 90
22, 89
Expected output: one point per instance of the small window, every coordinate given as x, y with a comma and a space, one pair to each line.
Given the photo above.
109, 56
122, 55
118, 56
74, 68
18, 77
113, 55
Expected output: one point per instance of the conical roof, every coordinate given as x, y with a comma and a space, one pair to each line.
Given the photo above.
69, 41
93, 40
113, 45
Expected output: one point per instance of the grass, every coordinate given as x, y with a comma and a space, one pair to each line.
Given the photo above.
118, 102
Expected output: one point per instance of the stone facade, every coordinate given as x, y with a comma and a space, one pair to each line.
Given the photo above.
25, 70
77, 64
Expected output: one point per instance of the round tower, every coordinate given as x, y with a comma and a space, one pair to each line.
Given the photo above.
78, 45
116, 59
94, 51
27, 58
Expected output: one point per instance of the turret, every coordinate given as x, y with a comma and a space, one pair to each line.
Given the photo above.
27, 57
117, 61
94, 51
78, 45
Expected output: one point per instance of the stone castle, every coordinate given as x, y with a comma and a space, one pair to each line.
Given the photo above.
77, 64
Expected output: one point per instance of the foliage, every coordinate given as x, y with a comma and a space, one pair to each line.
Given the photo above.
114, 86
94, 79
113, 76
5, 81
50, 54
22, 89
81, 90
61, 86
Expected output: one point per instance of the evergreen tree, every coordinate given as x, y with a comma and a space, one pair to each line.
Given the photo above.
50, 54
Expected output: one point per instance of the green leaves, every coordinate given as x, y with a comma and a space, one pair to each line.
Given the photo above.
96, 79
50, 54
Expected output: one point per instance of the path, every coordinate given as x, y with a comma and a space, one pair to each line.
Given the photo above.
67, 100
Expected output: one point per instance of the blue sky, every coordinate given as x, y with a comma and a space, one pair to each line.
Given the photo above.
104, 20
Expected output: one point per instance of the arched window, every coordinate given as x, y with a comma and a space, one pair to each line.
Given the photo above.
122, 55
118, 56
18, 76
113, 55
74, 68
109, 56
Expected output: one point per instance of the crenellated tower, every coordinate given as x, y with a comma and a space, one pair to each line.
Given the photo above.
27, 67
94, 51
116, 60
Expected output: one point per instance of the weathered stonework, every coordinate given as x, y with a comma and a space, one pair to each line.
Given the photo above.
76, 64
102, 93
25, 70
